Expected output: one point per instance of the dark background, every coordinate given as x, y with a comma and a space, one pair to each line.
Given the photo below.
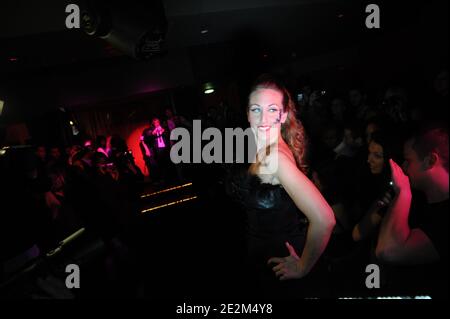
50, 75
44, 66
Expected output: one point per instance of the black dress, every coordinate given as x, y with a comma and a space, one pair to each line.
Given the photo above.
272, 219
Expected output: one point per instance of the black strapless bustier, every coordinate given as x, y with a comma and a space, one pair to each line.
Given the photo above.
272, 220
272, 216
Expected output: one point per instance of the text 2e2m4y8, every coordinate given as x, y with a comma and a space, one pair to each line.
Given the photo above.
245, 308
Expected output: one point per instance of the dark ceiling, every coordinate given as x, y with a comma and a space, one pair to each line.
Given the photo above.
33, 34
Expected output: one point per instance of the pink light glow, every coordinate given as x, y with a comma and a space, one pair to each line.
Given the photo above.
133, 144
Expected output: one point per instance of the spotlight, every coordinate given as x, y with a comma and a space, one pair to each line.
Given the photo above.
135, 28
208, 88
204, 30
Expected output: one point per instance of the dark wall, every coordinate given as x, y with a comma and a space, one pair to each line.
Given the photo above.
33, 93
415, 48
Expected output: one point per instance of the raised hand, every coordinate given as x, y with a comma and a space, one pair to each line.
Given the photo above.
288, 267
399, 179
385, 200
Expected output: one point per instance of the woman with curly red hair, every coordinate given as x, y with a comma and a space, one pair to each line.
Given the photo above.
289, 223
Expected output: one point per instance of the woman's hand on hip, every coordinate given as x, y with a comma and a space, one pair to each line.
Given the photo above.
288, 267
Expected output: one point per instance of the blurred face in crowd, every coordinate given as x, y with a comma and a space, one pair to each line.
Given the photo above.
265, 113
156, 123
375, 158
55, 153
441, 83
330, 138
88, 144
307, 90
348, 137
41, 153
337, 107
370, 129
355, 98
74, 149
413, 166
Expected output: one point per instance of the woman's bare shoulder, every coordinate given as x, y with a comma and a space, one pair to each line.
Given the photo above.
285, 155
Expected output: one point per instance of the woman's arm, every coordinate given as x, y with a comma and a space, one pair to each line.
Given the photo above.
311, 202
397, 242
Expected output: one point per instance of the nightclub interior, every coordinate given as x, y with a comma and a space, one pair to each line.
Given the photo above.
119, 179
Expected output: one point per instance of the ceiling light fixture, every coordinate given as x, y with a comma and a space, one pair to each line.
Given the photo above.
204, 29
208, 88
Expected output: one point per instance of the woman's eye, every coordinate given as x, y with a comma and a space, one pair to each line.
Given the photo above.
273, 110
256, 110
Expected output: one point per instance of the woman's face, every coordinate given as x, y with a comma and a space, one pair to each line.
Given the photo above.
375, 158
265, 113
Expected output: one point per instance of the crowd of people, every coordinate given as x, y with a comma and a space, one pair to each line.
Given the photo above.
393, 217
353, 150
51, 194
